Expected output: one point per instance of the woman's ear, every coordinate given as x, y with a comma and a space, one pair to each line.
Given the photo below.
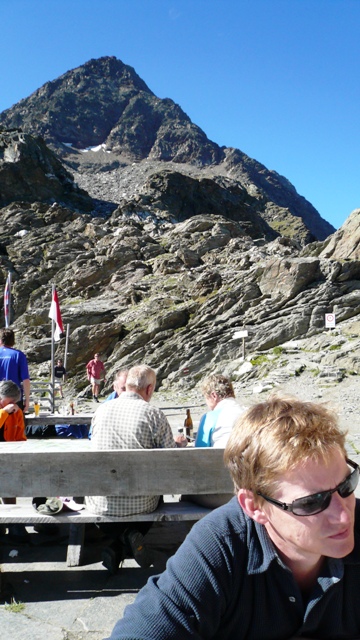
249, 504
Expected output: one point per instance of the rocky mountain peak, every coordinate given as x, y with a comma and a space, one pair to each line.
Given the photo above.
106, 107
80, 107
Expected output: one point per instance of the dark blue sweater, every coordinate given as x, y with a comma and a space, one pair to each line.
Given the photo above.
227, 582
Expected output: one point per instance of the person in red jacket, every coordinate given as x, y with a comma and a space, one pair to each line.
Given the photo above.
95, 369
12, 428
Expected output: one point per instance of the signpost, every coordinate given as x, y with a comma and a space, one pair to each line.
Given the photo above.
330, 321
241, 333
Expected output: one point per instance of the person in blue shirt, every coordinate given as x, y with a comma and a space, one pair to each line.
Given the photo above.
281, 560
215, 426
119, 384
14, 366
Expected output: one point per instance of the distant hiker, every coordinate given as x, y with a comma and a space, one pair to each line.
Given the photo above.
59, 376
14, 366
95, 369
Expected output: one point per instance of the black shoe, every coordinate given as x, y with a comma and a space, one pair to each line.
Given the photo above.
112, 557
18, 533
134, 541
96, 399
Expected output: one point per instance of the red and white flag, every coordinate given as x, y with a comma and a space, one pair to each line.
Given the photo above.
55, 315
7, 297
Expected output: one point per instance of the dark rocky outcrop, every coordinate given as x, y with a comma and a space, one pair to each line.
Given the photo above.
30, 171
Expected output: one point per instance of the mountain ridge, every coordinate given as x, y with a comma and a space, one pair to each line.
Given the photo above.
105, 102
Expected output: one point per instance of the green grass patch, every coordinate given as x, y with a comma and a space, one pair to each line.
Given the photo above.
277, 351
260, 359
14, 607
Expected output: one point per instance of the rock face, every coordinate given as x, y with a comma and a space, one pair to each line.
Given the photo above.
105, 105
169, 294
30, 171
165, 258
345, 243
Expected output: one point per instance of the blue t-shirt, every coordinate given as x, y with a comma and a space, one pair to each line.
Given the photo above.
207, 425
112, 396
13, 365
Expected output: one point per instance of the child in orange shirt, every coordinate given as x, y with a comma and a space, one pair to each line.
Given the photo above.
12, 428
12, 423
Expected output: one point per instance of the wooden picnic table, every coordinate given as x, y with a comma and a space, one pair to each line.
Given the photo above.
55, 418
58, 467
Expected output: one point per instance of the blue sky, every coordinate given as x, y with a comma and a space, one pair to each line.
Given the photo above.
278, 79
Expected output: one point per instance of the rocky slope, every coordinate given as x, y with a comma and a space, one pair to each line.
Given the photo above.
164, 260
168, 294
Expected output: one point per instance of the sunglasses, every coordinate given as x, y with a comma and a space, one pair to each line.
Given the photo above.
317, 502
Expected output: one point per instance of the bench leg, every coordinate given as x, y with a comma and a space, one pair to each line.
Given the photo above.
75, 545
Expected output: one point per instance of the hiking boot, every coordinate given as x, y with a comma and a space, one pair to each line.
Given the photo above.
18, 533
112, 556
96, 399
134, 541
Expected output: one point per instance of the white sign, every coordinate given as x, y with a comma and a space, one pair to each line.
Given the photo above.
240, 334
330, 321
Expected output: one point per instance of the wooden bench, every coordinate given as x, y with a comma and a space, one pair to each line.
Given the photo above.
55, 418
58, 468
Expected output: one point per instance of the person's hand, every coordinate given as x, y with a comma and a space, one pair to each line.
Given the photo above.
11, 408
181, 441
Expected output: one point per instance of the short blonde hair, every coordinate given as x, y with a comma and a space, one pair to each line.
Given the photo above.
275, 436
218, 384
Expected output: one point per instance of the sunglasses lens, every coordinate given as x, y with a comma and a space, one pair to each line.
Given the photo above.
349, 485
310, 505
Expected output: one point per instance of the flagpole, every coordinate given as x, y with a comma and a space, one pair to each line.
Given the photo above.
52, 358
66, 344
9, 276
7, 301
57, 332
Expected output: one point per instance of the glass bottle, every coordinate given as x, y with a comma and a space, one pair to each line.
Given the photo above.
188, 424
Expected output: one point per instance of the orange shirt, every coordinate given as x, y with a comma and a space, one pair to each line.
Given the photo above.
14, 425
